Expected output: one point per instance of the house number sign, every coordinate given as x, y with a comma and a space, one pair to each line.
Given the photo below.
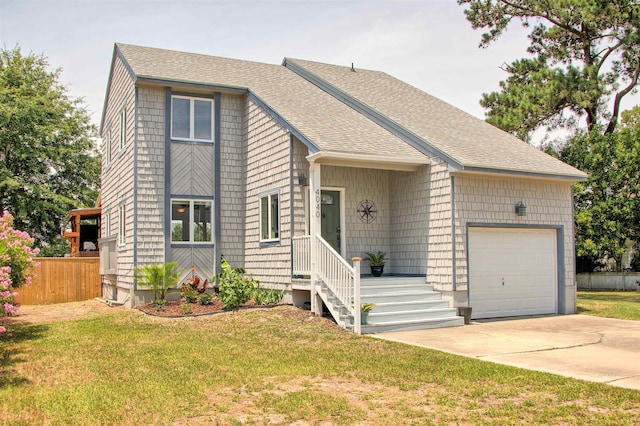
318, 203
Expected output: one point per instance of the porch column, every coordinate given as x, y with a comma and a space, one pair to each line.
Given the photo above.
315, 212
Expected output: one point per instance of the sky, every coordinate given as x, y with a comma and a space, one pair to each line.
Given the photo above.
427, 43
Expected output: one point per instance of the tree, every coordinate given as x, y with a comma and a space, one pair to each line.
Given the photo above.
48, 158
607, 205
585, 60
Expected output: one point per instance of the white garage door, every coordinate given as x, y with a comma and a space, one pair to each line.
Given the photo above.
512, 272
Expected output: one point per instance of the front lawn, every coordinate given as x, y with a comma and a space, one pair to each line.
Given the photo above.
271, 366
610, 304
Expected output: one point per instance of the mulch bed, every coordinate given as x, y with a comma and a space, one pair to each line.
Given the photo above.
174, 308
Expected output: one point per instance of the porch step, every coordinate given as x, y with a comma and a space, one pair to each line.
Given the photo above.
410, 305
402, 303
407, 325
415, 314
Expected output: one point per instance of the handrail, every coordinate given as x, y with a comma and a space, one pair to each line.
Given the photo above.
339, 276
301, 253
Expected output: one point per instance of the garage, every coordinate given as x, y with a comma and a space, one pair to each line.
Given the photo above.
512, 272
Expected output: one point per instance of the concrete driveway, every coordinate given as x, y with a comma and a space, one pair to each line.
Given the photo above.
584, 347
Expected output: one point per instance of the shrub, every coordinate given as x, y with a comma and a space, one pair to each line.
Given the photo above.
205, 298
186, 309
159, 278
236, 288
16, 263
267, 296
188, 293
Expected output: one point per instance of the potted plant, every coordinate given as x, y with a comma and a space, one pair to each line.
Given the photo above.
365, 308
376, 262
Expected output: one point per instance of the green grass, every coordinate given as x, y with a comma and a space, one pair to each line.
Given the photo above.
278, 365
610, 304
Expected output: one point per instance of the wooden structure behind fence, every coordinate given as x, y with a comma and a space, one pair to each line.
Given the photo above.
62, 279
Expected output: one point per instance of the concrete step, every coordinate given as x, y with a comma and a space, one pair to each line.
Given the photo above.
397, 297
391, 280
394, 288
412, 325
412, 315
410, 305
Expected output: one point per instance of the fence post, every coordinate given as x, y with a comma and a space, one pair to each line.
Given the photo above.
357, 326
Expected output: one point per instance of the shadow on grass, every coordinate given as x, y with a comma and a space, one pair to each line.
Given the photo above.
609, 295
583, 310
10, 352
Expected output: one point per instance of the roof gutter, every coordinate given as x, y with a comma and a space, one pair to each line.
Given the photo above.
347, 159
520, 173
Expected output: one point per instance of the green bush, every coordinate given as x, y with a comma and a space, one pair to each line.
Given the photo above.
189, 294
267, 296
205, 298
236, 288
186, 309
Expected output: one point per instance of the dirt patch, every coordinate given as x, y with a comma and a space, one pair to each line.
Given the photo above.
62, 311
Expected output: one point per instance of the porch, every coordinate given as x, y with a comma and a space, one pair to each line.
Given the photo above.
400, 303
357, 204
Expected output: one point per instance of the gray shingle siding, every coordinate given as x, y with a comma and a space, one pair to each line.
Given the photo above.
117, 178
267, 156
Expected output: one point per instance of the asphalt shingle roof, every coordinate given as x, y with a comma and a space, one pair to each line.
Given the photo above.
328, 123
334, 127
463, 137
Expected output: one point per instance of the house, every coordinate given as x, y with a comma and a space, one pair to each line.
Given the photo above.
293, 170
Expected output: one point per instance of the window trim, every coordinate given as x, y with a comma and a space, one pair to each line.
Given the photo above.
192, 137
122, 229
107, 143
123, 128
192, 202
271, 239
107, 224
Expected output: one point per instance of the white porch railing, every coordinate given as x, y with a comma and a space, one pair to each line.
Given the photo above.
301, 249
341, 278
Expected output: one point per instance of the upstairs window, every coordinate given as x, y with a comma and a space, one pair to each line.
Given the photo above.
191, 221
191, 119
269, 218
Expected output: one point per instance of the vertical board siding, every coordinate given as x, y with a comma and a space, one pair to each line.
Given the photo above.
61, 280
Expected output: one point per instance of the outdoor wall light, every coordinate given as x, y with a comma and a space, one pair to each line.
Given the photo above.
302, 179
521, 209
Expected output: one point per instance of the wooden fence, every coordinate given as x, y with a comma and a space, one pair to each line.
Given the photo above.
62, 279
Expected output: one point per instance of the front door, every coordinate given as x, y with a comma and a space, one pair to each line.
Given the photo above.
331, 218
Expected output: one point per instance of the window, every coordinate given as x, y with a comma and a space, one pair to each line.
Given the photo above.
123, 127
121, 224
191, 118
107, 146
269, 217
191, 221
107, 224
